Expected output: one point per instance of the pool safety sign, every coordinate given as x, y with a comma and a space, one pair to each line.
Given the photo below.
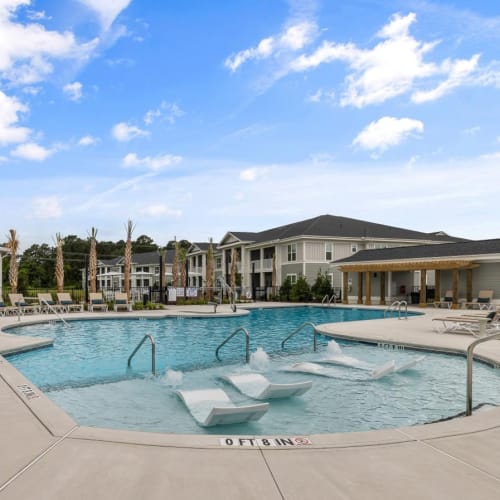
269, 442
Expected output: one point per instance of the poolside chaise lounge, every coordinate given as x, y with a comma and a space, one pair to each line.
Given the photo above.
469, 324
47, 304
97, 302
211, 407
482, 302
17, 300
447, 300
6, 310
122, 302
257, 386
64, 299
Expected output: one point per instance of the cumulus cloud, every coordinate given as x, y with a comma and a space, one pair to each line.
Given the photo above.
88, 140
159, 209
386, 132
168, 111
32, 151
106, 11
124, 132
472, 130
322, 96
10, 107
252, 174
47, 208
154, 163
291, 39
391, 68
29, 55
73, 90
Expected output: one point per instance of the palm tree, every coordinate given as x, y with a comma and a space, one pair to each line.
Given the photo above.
59, 263
209, 269
182, 264
13, 245
128, 257
175, 265
93, 261
232, 278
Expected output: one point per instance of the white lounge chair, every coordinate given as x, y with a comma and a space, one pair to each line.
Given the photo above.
257, 386
97, 302
316, 369
122, 302
18, 300
483, 301
47, 304
447, 301
474, 325
211, 407
64, 299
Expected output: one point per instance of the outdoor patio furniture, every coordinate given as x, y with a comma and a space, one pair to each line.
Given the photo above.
64, 299
483, 301
122, 302
17, 300
97, 302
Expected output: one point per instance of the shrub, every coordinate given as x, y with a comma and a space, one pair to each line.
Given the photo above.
301, 291
321, 286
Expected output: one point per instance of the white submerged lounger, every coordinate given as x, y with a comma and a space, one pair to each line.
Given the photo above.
257, 386
317, 369
211, 407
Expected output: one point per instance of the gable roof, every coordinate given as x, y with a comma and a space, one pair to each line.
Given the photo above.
340, 227
444, 250
142, 259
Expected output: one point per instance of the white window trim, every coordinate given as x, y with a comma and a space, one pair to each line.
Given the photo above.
293, 278
289, 252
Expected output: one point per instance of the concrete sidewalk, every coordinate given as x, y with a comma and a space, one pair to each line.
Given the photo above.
46, 455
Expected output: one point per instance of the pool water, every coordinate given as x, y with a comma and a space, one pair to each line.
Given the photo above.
85, 373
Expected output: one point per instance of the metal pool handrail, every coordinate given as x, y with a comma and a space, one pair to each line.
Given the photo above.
55, 312
302, 326
153, 352
470, 358
247, 342
398, 304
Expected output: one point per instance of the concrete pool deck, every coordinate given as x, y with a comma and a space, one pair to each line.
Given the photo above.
47, 455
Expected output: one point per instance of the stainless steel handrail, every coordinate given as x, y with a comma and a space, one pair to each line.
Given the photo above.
470, 358
230, 293
325, 299
153, 352
247, 348
302, 326
55, 312
398, 304
334, 298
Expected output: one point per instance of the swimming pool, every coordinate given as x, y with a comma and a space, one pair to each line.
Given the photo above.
85, 373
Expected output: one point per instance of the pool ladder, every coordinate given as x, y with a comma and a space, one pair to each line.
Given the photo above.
396, 306
328, 300
153, 352
301, 327
247, 343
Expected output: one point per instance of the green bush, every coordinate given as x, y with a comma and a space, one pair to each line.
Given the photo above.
321, 287
301, 291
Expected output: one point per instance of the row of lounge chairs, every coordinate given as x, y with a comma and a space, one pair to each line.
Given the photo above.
44, 303
478, 325
483, 301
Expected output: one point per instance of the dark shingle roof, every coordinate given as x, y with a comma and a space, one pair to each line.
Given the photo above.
444, 250
335, 226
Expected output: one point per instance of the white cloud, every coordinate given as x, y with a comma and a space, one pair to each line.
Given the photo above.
394, 66
322, 96
3, 159
47, 208
32, 151
387, 132
472, 130
124, 132
88, 140
35, 15
491, 156
293, 38
159, 209
252, 174
169, 111
154, 163
107, 11
10, 107
27, 57
73, 90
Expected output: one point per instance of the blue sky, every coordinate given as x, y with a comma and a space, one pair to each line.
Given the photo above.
195, 118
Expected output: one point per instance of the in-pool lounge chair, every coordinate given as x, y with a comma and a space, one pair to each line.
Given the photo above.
17, 300
97, 302
64, 299
47, 304
211, 407
482, 302
122, 302
257, 386
447, 300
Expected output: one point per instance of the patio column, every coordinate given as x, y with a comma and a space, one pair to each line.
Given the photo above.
469, 285
423, 288
437, 285
382, 288
454, 287
368, 298
360, 288
345, 287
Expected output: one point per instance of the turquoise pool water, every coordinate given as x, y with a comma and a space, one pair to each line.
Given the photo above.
85, 372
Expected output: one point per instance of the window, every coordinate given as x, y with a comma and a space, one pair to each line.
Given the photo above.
146, 282
354, 249
292, 253
218, 263
145, 269
328, 251
292, 278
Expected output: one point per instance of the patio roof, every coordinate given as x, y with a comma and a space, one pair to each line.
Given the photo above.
409, 265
